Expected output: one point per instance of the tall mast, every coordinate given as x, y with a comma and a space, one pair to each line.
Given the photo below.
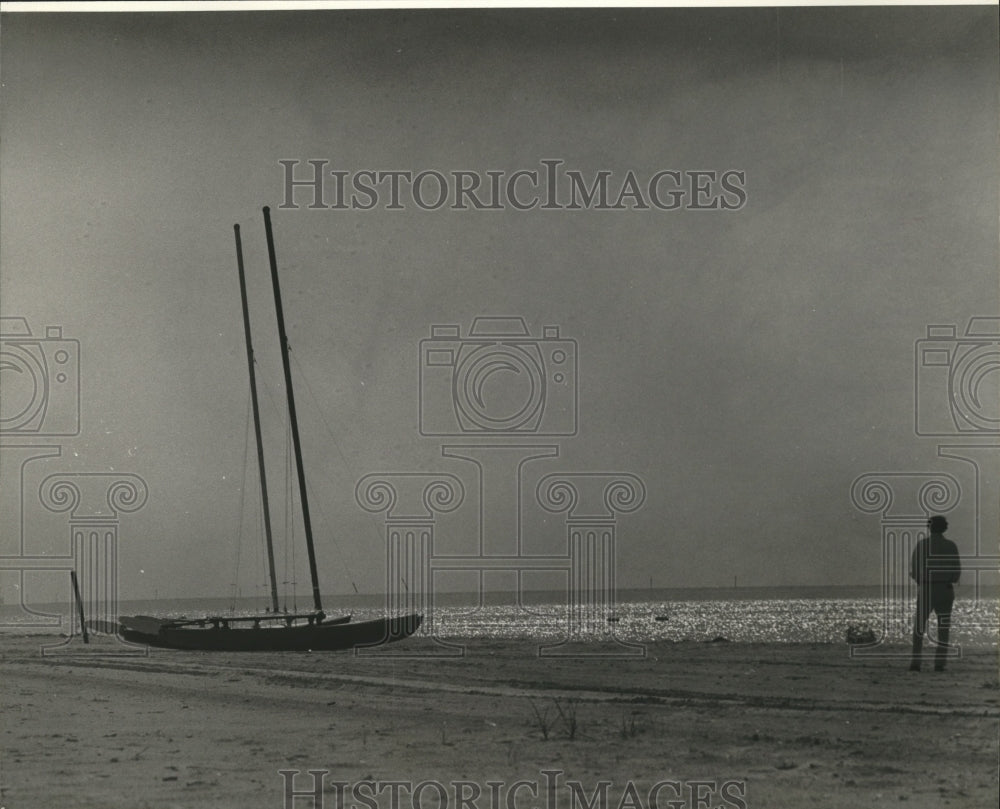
307, 524
256, 422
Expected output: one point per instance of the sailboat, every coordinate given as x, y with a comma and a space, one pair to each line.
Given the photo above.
272, 631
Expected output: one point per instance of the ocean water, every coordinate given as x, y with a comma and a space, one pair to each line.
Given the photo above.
745, 620
749, 615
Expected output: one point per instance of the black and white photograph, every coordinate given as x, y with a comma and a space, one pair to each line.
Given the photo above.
495, 405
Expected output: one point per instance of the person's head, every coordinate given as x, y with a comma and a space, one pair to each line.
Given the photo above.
937, 524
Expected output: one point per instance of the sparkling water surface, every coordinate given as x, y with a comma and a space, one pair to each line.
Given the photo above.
740, 619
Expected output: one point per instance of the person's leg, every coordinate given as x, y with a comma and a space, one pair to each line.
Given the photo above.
920, 626
942, 598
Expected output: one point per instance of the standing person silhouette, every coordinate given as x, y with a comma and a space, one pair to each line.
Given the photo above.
935, 567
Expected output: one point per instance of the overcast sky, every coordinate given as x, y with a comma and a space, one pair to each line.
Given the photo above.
747, 365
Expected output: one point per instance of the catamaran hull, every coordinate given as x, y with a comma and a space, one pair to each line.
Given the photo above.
315, 638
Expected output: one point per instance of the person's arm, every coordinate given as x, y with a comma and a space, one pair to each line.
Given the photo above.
956, 564
913, 562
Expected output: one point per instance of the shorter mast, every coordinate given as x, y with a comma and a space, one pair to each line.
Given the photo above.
306, 523
256, 422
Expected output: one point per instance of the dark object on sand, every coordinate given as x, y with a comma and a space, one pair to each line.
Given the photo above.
273, 631
860, 635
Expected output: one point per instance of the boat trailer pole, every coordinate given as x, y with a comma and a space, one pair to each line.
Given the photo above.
79, 605
307, 524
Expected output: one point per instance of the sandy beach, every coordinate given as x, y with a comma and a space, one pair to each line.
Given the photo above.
762, 725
